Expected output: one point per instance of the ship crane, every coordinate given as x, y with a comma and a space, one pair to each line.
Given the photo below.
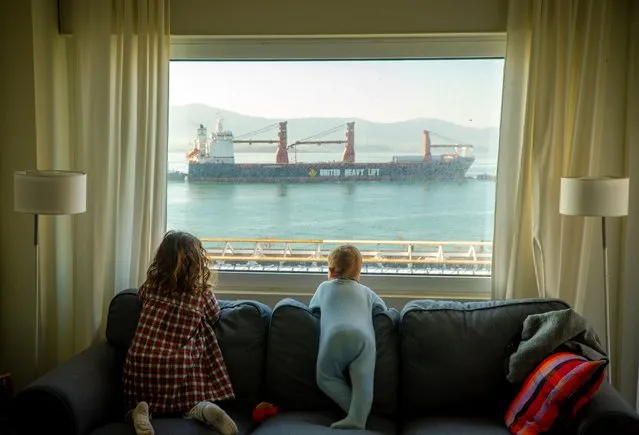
458, 150
281, 155
349, 149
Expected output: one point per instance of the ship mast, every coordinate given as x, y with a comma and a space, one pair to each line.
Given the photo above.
427, 146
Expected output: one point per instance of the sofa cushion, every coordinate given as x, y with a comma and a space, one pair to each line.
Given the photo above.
556, 389
241, 333
122, 320
453, 353
162, 426
291, 356
455, 426
177, 426
318, 423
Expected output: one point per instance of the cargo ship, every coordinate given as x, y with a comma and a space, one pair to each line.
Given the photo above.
212, 159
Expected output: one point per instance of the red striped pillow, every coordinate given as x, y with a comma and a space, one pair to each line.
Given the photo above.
560, 385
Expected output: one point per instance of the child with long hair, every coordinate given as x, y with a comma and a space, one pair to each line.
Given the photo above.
174, 365
347, 337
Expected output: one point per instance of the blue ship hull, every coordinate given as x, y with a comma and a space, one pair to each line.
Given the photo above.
329, 172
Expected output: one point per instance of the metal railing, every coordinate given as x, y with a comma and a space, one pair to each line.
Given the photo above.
379, 256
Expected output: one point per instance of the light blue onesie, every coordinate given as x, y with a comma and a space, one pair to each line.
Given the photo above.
347, 341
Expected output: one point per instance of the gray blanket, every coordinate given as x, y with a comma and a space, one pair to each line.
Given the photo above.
544, 334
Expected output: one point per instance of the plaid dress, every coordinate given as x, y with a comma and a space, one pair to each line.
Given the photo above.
174, 360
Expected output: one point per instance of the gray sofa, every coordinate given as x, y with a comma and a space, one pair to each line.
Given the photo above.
440, 370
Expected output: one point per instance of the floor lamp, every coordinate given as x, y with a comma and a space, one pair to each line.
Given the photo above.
47, 193
601, 197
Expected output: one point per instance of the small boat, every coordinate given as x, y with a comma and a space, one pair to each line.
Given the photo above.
174, 175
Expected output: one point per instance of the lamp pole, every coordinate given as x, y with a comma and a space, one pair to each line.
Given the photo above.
37, 295
607, 298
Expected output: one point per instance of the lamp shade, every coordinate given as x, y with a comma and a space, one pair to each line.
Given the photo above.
49, 192
594, 196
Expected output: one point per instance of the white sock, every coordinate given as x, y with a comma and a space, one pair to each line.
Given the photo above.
211, 414
142, 420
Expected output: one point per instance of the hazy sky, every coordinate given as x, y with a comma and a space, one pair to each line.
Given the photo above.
466, 92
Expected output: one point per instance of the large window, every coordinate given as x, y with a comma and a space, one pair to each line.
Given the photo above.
275, 161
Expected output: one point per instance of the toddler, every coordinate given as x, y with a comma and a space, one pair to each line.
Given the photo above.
347, 337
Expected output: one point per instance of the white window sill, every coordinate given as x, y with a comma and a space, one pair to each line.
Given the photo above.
270, 287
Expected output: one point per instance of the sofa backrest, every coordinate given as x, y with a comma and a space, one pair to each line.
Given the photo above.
291, 356
435, 357
453, 353
241, 333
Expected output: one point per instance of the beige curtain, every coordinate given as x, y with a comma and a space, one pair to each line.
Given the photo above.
569, 93
102, 105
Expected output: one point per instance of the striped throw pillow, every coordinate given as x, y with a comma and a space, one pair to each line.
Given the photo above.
559, 386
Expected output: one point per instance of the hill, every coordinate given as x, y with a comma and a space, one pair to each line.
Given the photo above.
395, 138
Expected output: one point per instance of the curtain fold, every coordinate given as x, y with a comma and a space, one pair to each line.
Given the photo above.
628, 320
105, 95
567, 94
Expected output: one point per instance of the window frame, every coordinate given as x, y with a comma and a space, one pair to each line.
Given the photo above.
337, 47
432, 46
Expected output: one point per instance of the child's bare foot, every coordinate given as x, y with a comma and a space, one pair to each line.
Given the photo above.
142, 420
213, 415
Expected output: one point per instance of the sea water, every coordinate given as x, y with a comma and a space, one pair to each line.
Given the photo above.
432, 211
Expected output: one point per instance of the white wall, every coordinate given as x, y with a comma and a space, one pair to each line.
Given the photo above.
329, 17
314, 17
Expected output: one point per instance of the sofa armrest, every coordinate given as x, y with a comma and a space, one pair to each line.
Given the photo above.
74, 398
607, 413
